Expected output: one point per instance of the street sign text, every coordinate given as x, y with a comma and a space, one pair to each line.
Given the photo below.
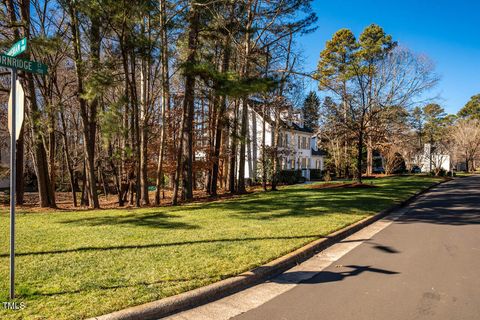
22, 64
17, 48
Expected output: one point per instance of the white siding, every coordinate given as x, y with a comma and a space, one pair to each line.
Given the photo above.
296, 146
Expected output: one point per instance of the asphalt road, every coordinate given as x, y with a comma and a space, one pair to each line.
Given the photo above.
425, 265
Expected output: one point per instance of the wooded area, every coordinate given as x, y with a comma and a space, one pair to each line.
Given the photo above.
136, 89
154, 95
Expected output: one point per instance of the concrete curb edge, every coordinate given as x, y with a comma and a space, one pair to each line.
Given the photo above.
196, 297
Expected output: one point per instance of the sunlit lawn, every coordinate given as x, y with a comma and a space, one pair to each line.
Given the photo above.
464, 174
73, 265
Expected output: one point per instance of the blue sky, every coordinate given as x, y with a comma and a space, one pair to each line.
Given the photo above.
446, 31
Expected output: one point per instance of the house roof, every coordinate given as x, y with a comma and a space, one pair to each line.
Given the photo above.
296, 127
256, 105
319, 152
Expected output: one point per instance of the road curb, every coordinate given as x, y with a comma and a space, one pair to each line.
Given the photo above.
194, 298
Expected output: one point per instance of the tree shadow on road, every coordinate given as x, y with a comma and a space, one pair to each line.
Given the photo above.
457, 210
305, 277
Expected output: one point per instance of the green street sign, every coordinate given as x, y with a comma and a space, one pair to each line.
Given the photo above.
19, 47
23, 64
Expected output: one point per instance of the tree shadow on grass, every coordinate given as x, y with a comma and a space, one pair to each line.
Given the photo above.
275, 205
150, 219
295, 202
307, 203
89, 287
168, 244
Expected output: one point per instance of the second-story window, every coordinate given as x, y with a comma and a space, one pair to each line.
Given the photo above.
304, 163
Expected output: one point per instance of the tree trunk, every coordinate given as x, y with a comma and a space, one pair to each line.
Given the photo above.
264, 151
369, 158
88, 111
359, 156
165, 99
276, 131
135, 182
275, 164
245, 74
144, 137
212, 116
233, 152
19, 155
71, 172
188, 106
84, 197
45, 192
243, 142
221, 116
217, 145
185, 159
51, 150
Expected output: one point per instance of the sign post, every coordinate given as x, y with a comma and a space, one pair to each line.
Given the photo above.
13, 149
9, 61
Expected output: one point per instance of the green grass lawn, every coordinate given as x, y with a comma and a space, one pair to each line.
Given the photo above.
464, 174
73, 265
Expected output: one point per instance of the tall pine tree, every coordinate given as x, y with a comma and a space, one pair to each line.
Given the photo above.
311, 110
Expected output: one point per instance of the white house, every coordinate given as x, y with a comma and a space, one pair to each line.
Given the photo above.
297, 144
432, 159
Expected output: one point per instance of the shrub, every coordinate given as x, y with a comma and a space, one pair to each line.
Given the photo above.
316, 174
442, 173
327, 177
290, 176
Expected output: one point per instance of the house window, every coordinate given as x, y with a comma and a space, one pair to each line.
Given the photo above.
304, 143
286, 139
299, 143
292, 164
304, 163
280, 139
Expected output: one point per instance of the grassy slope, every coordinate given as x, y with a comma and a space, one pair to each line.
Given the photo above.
74, 265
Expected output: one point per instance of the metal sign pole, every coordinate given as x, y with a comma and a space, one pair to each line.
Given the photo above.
13, 143
9, 61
